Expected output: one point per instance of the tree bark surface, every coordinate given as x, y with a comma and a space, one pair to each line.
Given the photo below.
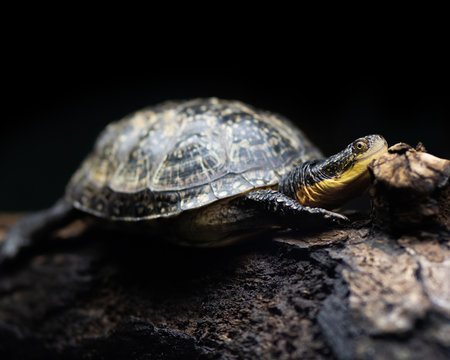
378, 288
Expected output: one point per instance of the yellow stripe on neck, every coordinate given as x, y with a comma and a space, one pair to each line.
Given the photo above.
330, 193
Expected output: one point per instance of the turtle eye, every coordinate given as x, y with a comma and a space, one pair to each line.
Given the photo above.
360, 146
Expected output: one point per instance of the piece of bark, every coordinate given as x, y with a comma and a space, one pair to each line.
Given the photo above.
410, 188
357, 292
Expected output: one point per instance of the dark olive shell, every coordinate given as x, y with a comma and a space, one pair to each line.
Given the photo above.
179, 156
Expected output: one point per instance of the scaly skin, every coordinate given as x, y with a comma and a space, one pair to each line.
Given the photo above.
331, 182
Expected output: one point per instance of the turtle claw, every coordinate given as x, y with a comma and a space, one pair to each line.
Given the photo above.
339, 219
336, 218
324, 218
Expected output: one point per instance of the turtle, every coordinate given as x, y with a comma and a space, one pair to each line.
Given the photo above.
205, 172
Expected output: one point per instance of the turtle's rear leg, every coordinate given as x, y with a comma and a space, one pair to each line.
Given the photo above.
31, 228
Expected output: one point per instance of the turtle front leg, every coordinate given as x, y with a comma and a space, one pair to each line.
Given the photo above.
288, 211
229, 221
31, 228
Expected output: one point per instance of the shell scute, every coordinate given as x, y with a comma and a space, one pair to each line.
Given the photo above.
191, 162
230, 185
195, 197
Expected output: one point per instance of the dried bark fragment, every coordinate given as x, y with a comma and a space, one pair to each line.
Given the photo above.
410, 188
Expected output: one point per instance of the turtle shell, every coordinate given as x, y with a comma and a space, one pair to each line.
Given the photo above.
179, 156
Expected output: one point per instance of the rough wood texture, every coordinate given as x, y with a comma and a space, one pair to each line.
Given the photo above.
408, 188
359, 292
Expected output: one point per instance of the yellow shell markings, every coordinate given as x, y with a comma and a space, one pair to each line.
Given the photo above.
108, 153
183, 155
128, 177
193, 161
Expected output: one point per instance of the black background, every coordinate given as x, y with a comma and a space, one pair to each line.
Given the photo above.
52, 114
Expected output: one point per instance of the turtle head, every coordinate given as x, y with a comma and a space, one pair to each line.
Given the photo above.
330, 182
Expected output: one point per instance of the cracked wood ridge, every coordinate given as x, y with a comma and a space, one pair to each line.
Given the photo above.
376, 289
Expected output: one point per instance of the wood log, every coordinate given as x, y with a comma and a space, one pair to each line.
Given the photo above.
376, 289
